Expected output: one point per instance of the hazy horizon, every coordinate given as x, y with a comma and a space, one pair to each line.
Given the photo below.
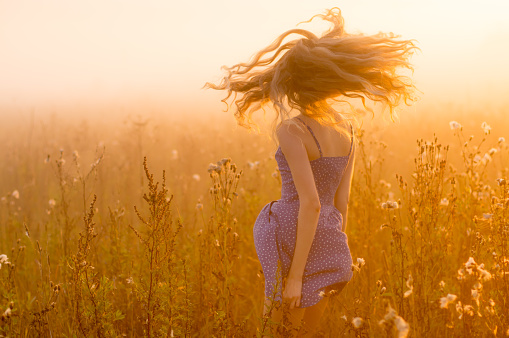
158, 54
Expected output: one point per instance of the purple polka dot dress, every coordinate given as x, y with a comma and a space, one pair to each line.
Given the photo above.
329, 263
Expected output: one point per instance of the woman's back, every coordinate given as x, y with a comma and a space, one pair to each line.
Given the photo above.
327, 168
332, 142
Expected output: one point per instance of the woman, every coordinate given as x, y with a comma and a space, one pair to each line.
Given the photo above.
304, 231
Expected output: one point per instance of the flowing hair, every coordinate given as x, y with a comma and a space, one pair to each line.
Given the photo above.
305, 73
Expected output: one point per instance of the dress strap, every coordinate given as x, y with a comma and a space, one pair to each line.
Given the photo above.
351, 146
312, 134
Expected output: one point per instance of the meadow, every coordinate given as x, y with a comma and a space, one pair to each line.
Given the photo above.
141, 225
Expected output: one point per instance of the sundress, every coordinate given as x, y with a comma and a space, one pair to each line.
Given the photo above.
329, 263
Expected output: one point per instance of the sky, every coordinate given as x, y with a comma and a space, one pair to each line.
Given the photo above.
162, 51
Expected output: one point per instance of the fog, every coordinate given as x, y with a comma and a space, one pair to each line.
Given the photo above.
109, 57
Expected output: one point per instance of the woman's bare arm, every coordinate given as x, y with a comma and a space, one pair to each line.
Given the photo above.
293, 148
343, 192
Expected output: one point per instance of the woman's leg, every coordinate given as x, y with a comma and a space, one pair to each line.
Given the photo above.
276, 314
311, 318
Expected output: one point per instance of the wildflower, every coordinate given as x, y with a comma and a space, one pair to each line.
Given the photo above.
491, 308
459, 309
52, 203
357, 322
409, 284
485, 275
3, 259
492, 151
212, 168
501, 140
15, 194
174, 154
468, 309
275, 174
500, 181
476, 159
321, 293
217, 243
401, 325
61, 162
477, 285
390, 205
486, 128
454, 125
343, 317
199, 206
196, 177
385, 184
470, 263
382, 291
129, 280
445, 301
486, 158
75, 155
253, 165
441, 284
226, 161
444, 202
475, 296
461, 274
360, 263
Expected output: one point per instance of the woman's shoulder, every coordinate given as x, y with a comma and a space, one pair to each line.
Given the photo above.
290, 131
290, 126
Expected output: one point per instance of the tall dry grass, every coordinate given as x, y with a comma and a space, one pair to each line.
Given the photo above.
97, 241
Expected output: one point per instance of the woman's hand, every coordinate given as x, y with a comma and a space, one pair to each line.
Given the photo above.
293, 291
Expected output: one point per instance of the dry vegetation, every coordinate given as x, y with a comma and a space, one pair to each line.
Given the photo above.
97, 242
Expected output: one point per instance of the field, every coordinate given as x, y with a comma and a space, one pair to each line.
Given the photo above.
97, 242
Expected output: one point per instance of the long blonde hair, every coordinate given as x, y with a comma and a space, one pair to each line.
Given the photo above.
305, 73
